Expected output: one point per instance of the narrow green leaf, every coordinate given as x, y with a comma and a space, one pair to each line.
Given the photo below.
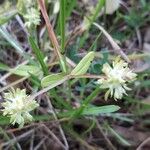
83, 65
24, 70
34, 79
118, 137
86, 102
51, 79
70, 7
94, 110
39, 55
62, 23
4, 67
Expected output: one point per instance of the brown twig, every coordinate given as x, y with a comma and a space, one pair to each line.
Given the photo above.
53, 136
109, 144
143, 143
59, 125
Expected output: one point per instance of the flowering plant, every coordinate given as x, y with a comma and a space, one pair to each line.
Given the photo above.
17, 106
116, 78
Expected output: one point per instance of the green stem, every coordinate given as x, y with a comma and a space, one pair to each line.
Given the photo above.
39, 55
86, 102
62, 24
97, 10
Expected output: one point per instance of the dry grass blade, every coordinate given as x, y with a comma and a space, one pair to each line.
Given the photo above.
110, 145
113, 43
40, 143
51, 33
54, 136
59, 126
143, 143
13, 84
16, 139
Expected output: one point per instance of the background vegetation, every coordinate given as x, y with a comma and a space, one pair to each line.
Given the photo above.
73, 113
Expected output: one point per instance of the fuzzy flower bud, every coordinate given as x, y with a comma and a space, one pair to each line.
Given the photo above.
112, 6
17, 106
116, 78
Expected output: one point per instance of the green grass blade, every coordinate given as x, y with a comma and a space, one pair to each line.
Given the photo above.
86, 103
39, 56
70, 6
4, 67
118, 137
94, 110
98, 8
62, 23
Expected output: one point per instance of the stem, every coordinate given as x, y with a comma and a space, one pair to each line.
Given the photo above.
62, 24
48, 88
98, 8
91, 97
67, 77
51, 34
86, 102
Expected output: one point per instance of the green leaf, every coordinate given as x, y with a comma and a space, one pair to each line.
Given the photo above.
51, 79
34, 79
62, 23
24, 70
4, 120
3, 67
21, 7
118, 137
83, 65
94, 110
39, 55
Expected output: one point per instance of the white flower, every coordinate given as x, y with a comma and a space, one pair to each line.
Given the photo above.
116, 78
56, 5
112, 6
32, 17
17, 106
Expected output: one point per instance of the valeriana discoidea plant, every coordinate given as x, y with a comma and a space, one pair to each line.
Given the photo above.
114, 79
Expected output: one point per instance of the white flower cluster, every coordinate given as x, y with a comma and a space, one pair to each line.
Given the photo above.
32, 17
116, 78
17, 106
30, 11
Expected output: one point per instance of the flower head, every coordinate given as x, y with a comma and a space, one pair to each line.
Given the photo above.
32, 17
17, 106
116, 78
112, 6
